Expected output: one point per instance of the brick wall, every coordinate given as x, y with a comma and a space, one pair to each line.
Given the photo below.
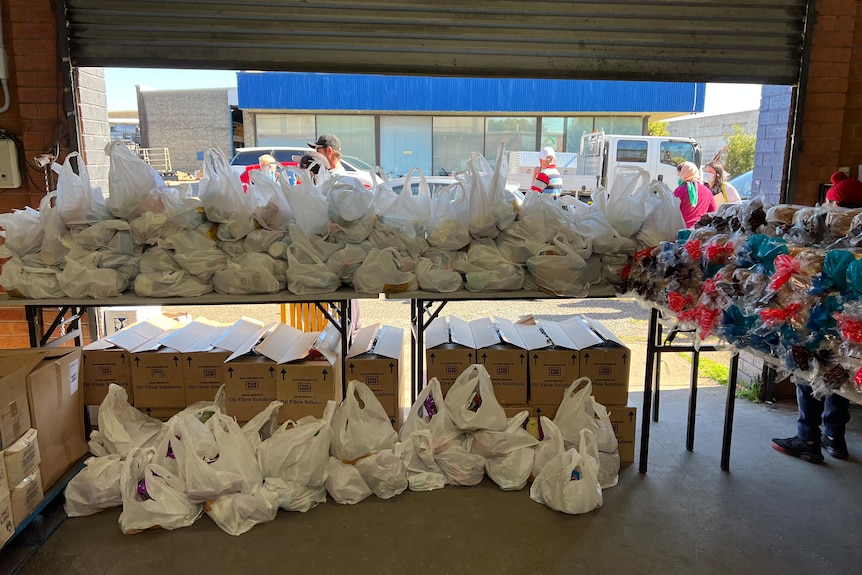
831, 132
769, 154
94, 129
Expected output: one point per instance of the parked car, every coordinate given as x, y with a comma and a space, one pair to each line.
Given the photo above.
742, 183
436, 183
247, 157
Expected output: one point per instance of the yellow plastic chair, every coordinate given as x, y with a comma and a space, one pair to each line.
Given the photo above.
305, 317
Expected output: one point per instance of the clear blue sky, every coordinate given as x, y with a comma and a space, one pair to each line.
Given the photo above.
120, 82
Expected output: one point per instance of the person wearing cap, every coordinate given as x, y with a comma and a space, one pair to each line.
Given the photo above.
329, 145
547, 178
845, 191
695, 199
312, 162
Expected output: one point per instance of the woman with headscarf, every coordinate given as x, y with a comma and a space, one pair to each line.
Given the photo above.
723, 192
695, 198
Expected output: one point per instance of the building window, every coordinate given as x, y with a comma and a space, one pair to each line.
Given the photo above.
356, 132
453, 138
554, 134
518, 134
625, 125
576, 127
405, 143
284, 129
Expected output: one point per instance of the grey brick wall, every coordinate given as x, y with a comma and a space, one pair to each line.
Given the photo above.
95, 132
711, 131
772, 130
186, 122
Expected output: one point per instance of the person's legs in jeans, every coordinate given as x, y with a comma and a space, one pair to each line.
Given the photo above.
810, 414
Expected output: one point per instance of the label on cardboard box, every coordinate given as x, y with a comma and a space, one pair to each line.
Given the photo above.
22, 458
157, 378
7, 523
507, 366
305, 387
26, 496
250, 386
203, 374
101, 368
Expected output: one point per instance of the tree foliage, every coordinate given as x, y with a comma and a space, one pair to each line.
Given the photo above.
658, 129
739, 157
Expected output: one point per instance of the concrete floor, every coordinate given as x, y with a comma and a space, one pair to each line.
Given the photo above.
770, 514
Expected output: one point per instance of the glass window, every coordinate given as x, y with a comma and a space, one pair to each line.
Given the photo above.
519, 135
453, 138
356, 132
626, 125
675, 153
575, 128
553, 134
405, 143
632, 151
284, 129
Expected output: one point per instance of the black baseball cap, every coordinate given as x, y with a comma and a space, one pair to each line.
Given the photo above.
327, 141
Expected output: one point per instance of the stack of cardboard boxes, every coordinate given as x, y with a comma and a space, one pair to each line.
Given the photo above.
301, 369
41, 427
532, 363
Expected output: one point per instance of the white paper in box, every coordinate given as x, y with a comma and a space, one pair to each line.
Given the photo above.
461, 333
557, 336
603, 331
286, 343
241, 337
521, 335
484, 332
385, 341
437, 332
580, 334
363, 341
328, 343
197, 335
144, 336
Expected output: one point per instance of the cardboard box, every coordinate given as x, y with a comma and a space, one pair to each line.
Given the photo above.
607, 364
22, 458
250, 385
117, 318
624, 418
554, 365
549, 410
305, 387
449, 350
57, 412
14, 408
503, 352
157, 377
7, 523
102, 367
4, 483
374, 358
203, 374
160, 413
26, 496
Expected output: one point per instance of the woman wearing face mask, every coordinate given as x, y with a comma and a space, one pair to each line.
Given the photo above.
695, 199
723, 192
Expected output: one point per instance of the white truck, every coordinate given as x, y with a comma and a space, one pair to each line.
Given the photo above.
600, 153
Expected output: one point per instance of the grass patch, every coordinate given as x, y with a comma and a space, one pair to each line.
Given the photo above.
720, 373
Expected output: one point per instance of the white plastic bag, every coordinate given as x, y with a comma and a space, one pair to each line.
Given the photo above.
171, 284
307, 273
569, 482
436, 279
293, 461
384, 473
52, 250
460, 466
153, 496
551, 444
262, 425
135, 188
417, 453
236, 513
77, 202
428, 413
78, 280
344, 483
29, 281
624, 204
222, 195
471, 402
579, 410
662, 218
308, 205
449, 228
380, 272
95, 488
509, 455
346, 261
409, 213
351, 208
360, 425
272, 211
121, 426
23, 232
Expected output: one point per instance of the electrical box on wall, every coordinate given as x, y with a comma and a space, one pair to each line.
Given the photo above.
10, 174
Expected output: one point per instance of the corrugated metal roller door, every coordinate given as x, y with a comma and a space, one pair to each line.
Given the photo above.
695, 40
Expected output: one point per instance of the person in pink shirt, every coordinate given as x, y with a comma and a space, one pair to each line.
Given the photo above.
695, 199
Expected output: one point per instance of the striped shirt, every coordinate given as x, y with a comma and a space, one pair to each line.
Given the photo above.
548, 181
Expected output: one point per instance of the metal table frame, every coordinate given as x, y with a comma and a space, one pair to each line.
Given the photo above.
655, 347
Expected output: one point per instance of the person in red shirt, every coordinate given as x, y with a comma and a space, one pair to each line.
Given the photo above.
845, 191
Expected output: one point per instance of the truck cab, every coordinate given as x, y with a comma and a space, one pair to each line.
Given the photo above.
659, 155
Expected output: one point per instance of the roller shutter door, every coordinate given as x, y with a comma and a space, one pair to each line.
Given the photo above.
696, 40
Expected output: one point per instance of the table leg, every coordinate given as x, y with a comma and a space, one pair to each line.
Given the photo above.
420, 346
692, 400
728, 411
648, 380
345, 334
414, 377
657, 372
